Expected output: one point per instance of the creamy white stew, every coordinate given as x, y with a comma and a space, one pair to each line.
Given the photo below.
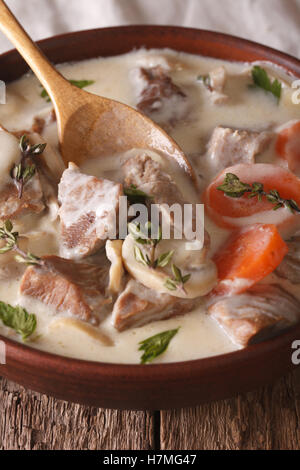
67, 287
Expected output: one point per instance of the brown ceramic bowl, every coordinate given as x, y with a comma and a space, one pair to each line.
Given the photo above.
163, 385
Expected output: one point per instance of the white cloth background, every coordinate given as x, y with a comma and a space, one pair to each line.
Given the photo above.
272, 22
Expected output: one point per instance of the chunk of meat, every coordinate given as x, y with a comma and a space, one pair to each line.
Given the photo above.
288, 145
258, 314
88, 212
148, 175
39, 122
160, 97
217, 81
289, 268
230, 146
137, 305
76, 289
12, 207
38, 125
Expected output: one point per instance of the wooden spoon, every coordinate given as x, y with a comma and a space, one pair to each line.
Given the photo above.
89, 125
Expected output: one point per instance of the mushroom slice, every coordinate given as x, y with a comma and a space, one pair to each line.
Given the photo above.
78, 325
114, 254
260, 313
203, 272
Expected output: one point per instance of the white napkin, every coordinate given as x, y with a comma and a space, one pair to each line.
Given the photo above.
272, 22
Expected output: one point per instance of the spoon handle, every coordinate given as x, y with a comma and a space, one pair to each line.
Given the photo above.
50, 78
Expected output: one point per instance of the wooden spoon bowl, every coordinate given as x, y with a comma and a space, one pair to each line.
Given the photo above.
153, 386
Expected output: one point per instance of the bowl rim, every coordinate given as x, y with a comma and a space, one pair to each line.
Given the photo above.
24, 353
21, 352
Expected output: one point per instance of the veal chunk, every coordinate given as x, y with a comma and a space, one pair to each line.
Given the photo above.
230, 146
88, 212
145, 173
138, 305
217, 79
75, 289
13, 207
160, 98
260, 313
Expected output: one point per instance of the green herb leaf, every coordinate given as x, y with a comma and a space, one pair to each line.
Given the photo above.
178, 281
177, 273
233, 187
171, 285
186, 278
205, 79
140, 257
156, 345
18, 319
135, 195
262, 80
77, 83
164, 259
139, 236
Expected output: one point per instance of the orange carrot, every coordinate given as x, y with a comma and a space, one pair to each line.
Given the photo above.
288, 146
231, 212
248, 256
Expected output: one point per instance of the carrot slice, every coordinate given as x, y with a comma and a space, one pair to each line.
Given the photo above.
248, 256
238, 212
288, 145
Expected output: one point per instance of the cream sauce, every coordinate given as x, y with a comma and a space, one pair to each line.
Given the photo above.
199, 336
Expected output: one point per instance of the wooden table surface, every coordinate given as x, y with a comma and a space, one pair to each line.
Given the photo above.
268, 418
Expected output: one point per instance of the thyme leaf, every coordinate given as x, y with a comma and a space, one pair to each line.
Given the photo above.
233, 187
178, 280
143, 237
164, 259
156, 345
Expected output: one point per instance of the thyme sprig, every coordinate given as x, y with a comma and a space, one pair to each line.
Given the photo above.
144, 237
22, 172
178, 280
11, 238
235, 188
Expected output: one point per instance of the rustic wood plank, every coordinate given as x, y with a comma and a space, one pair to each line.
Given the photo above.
268, 418
29, 420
